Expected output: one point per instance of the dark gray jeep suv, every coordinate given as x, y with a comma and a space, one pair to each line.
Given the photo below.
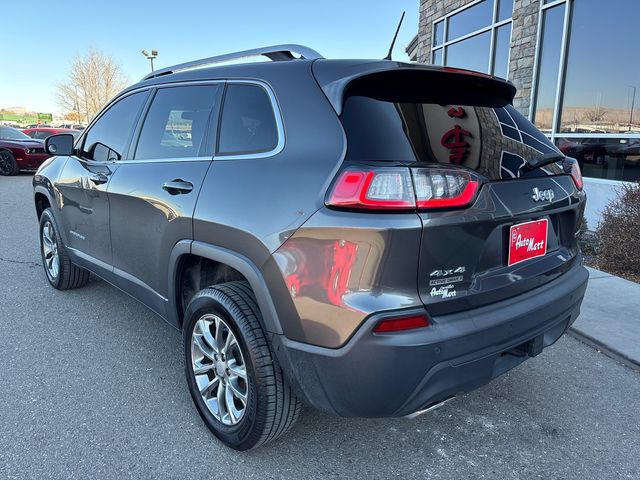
368, 237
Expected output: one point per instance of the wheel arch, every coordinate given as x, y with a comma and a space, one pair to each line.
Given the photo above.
42, 200
238, 262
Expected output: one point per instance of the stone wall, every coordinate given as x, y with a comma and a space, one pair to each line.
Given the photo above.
523, 50
523, 41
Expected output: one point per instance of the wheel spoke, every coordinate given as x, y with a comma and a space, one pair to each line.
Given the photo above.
208, 337
221, 401
55, 266
237, 370
205, 385
228, 343
220, 327
200, 368
203, 347
234, 388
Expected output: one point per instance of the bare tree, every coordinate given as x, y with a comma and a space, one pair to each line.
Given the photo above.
93, 80
596, 115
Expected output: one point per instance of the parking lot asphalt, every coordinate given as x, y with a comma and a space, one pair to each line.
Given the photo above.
92, 385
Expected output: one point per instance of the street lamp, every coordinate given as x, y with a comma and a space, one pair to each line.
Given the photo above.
633, 104
150, 56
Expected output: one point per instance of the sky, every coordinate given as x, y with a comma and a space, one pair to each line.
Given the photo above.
41, 38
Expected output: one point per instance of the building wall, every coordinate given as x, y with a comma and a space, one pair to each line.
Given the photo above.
523, 51
431, 10
523, 41
523, 47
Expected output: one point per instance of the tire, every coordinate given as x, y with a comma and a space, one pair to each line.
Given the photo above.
8, 164
271, 408
67, 275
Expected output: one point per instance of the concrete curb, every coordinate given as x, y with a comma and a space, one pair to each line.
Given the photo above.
598, 345
609, 320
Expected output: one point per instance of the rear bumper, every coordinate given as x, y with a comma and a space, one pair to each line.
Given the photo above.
379, 375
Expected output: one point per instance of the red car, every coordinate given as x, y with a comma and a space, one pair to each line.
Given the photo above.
19, 151
40, 133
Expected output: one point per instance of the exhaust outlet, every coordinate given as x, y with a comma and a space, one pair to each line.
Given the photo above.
430, 408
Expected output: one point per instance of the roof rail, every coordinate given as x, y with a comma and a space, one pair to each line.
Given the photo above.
276, 53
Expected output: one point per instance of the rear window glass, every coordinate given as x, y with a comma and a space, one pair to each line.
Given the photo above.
248, 123
492, 141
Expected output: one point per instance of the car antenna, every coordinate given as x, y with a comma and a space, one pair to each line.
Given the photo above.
393, 42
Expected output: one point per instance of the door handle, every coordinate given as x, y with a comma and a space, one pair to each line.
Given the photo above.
98, 178
178, 186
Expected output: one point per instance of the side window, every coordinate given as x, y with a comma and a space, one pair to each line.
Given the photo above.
107, 138
177, 121
248, 124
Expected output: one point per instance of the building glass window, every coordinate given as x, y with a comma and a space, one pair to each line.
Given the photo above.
501, 53
470, 20
471, 53
464, 37
610, 158
602, 72
548, 67
436, 58
505, 9
438, 33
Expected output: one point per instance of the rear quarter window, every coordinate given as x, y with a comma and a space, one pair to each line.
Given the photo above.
248, 123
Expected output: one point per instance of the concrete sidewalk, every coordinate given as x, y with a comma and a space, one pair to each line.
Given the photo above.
610, 317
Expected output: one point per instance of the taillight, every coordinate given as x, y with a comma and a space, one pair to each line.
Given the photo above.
398, 188
571, 166
400, 324
385, 189
444, 188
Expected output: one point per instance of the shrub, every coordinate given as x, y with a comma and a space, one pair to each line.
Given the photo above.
619, 232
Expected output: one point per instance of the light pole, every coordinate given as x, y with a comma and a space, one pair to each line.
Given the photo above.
150, 56
633, 104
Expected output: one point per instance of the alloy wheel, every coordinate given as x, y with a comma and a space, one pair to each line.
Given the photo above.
219, 369
5, 163
50, 250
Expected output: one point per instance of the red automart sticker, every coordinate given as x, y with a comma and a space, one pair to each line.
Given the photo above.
527, 240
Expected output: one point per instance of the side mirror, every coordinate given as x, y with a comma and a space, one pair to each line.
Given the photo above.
60, 144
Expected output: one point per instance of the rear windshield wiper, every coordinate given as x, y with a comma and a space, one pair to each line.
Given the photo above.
541, 161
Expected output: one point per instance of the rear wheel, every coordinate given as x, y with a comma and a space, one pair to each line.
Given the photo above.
8, 164
234, 379
60, 270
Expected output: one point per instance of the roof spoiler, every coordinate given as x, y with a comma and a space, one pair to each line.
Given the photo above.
416, 84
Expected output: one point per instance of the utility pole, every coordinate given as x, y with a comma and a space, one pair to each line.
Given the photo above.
150, 56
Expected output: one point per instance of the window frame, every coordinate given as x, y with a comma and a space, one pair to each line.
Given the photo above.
492, 27
562, 71
79, 144
209, 140
277, 117
214, 122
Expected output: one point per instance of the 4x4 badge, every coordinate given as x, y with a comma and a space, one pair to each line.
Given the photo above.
446, 273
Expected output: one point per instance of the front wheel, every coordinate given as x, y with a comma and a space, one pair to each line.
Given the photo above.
234, 379
8, 164
61, 272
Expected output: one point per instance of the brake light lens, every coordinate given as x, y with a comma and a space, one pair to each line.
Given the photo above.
444, 188
399, 188
385, 189
401, 324
571, 166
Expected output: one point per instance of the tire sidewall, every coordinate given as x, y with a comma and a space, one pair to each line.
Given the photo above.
236, 436
47, 216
